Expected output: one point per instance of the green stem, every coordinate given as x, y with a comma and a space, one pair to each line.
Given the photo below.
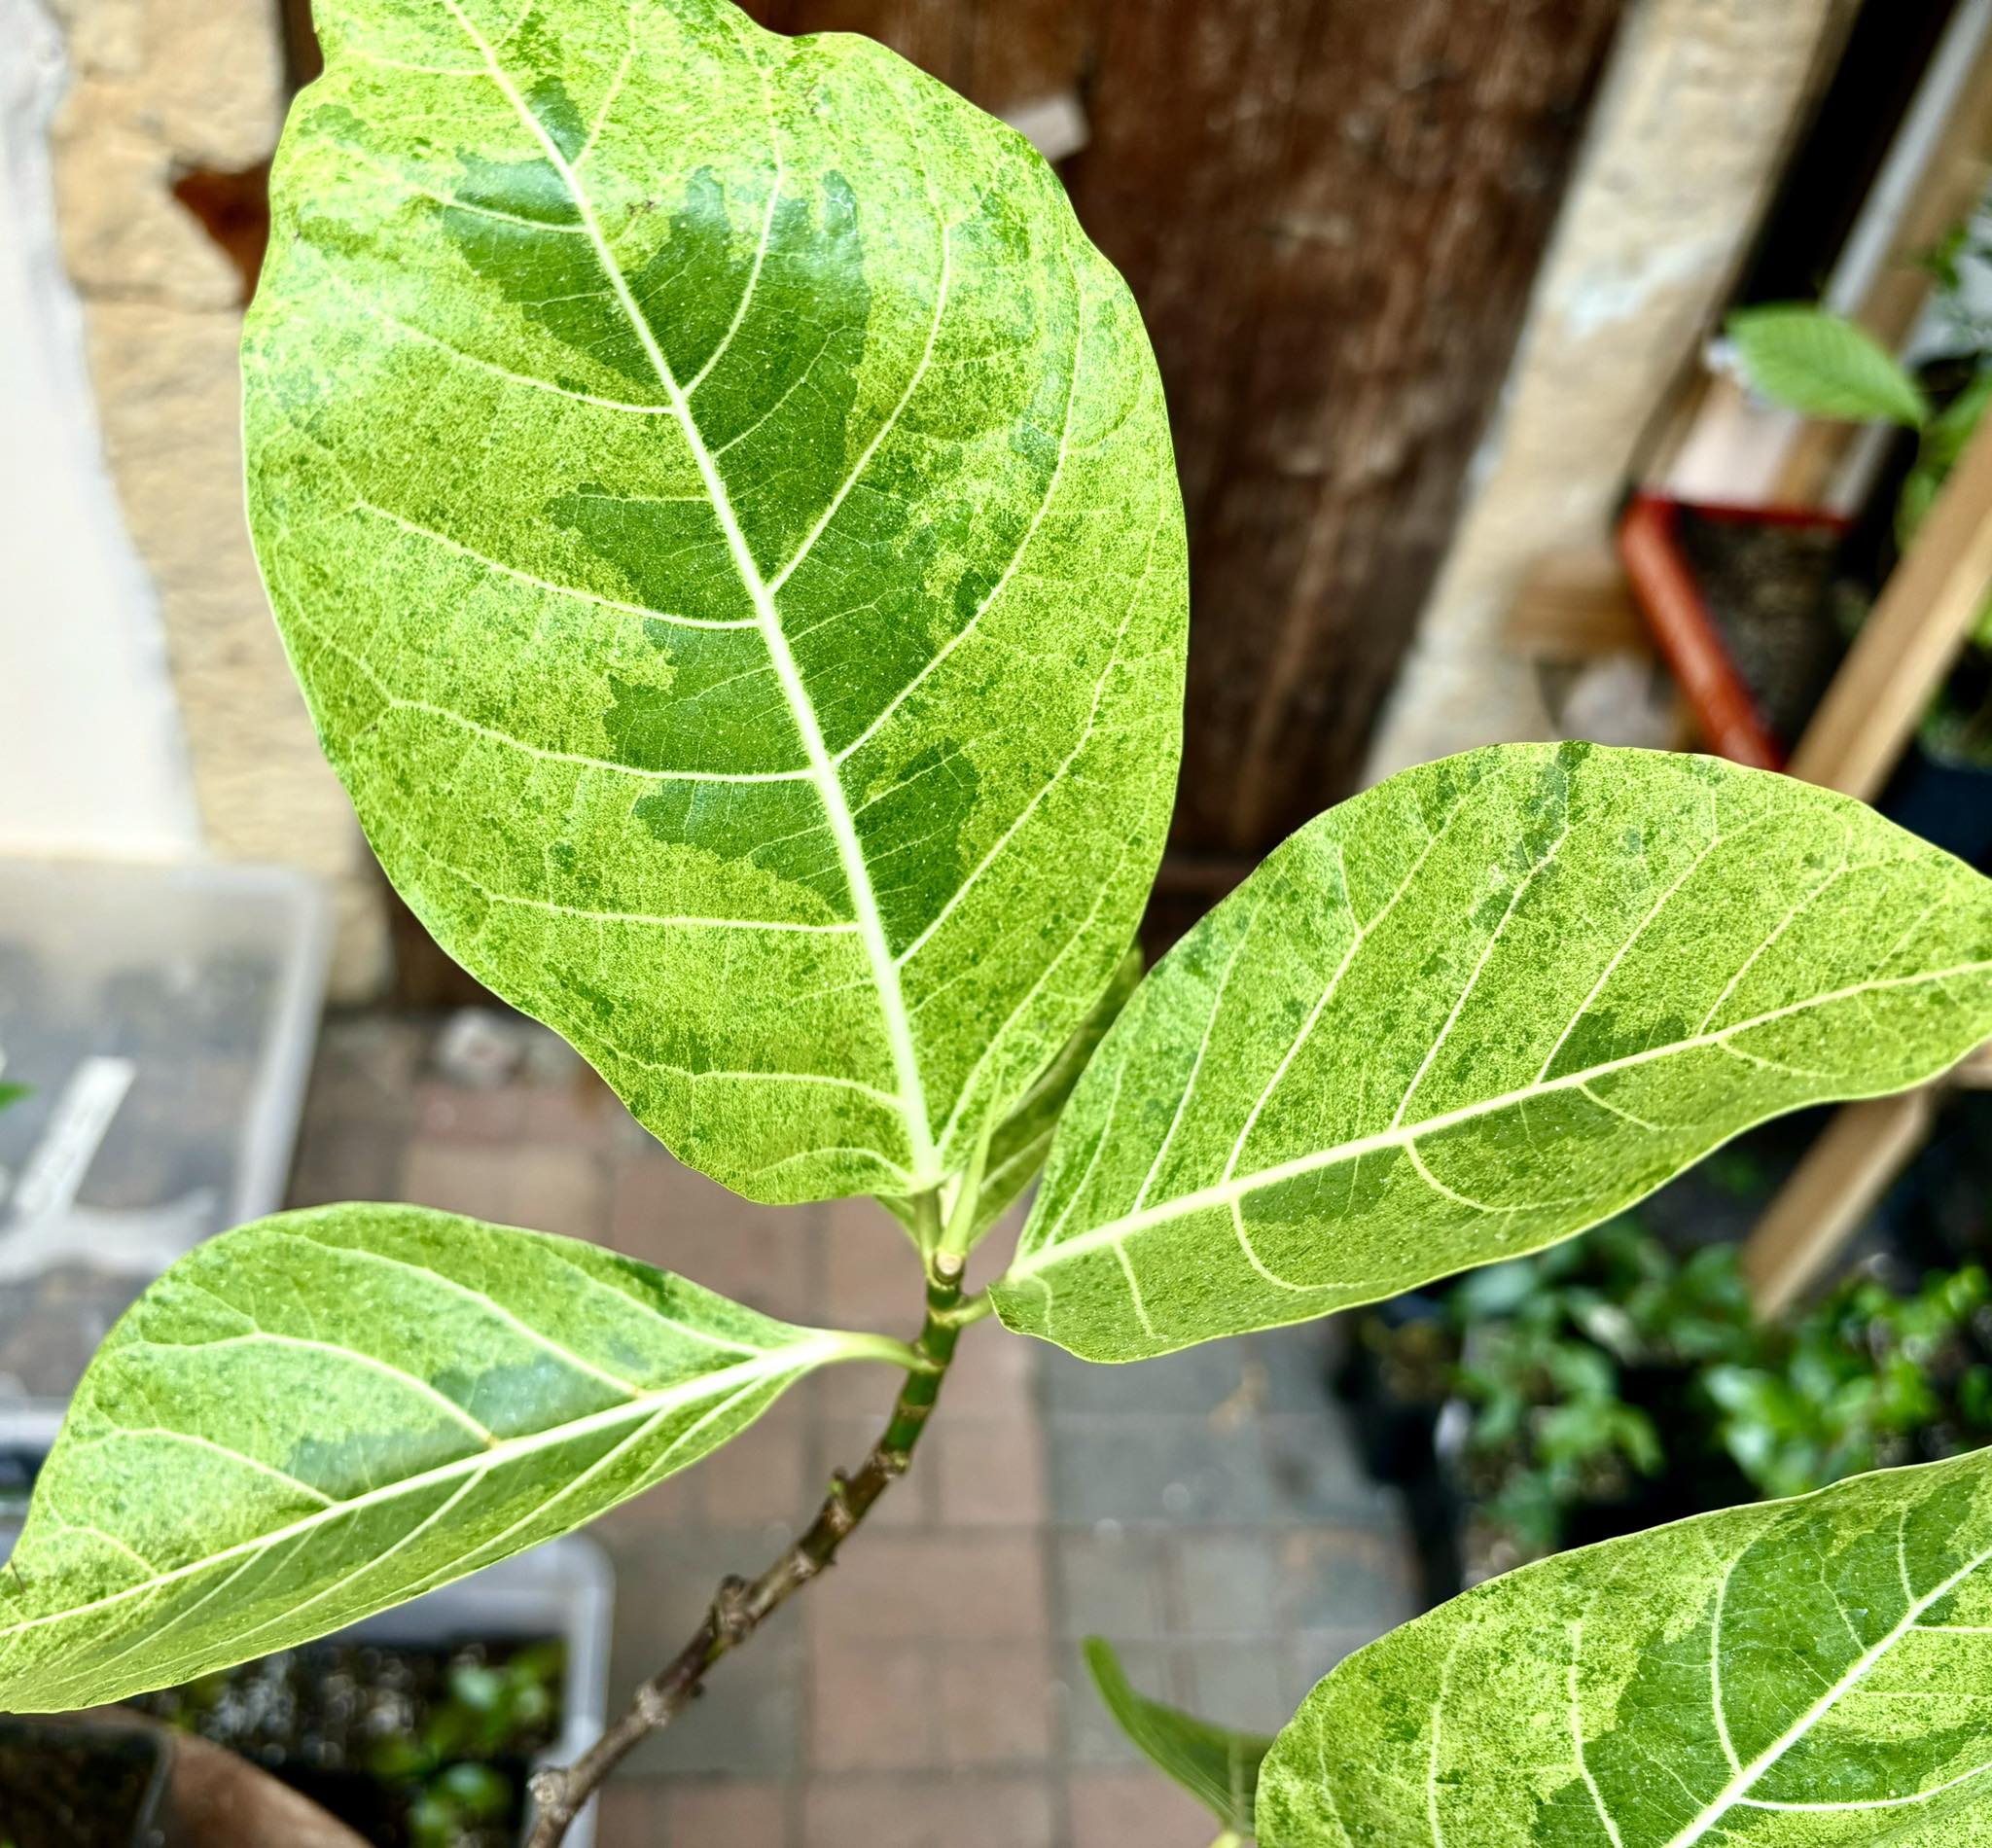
939, 1335
958, 1235
968, 1310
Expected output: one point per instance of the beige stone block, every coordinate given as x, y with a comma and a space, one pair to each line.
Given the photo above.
106, 38
123, 233
214, 77
168, 390
159, 87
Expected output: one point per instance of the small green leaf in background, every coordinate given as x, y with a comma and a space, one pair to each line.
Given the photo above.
1944, 443
1806, 1674
324, 1413
10, 1093
720, 510
1016, 1151
1216, 1764
1824, 366
1477, 1009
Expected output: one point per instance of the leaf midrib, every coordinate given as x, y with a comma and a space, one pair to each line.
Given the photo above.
1238, 1188
645, 1406
913, 1107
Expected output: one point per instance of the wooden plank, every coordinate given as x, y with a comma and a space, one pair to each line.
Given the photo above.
1868, 717
1908, 644
1840, 1181
1352, 372
1575, 604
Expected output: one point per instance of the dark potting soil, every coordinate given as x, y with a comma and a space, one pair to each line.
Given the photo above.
379, 1735
1765, 585
76, 1786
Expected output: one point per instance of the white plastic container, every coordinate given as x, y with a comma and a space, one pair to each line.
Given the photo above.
164, 1016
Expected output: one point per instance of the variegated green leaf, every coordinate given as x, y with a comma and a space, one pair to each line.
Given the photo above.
324, 1413
1474, 1010
1807, 1674
1017, 1148
720, 510
1216, 1764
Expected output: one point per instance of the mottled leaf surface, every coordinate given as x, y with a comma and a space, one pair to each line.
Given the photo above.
722, 512
323, 1413
1216, 1764
1473, 1011
1806, 1674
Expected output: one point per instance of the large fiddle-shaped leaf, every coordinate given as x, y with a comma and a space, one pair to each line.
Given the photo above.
1474, 1010
720, 510
324, 1413
1807, 1674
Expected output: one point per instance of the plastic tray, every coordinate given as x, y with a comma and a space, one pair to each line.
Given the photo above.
164, 1017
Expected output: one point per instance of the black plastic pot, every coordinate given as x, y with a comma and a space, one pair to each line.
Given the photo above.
76, 1784
307, 1715
1413, 1445
1397, 1439
1392, 1432
1948, 804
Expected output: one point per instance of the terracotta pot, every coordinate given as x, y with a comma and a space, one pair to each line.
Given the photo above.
222, 1801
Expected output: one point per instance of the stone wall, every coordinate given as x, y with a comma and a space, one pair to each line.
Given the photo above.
158, 90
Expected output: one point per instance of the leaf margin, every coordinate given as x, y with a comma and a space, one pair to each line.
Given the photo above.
38, 1683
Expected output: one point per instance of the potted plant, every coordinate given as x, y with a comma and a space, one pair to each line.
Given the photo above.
1737, 600
1828, 366
417, 1729
422, 1727
1609, 1386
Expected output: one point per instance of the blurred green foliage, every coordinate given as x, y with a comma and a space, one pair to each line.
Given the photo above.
1599, 1366
490, 1708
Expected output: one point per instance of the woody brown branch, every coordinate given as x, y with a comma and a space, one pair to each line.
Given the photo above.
740, 1605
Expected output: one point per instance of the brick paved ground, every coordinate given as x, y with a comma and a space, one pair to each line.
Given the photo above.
1203, 1511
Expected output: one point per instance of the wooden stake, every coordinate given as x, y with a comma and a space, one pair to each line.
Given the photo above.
1908, 644
1865, 721
1843, 1176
